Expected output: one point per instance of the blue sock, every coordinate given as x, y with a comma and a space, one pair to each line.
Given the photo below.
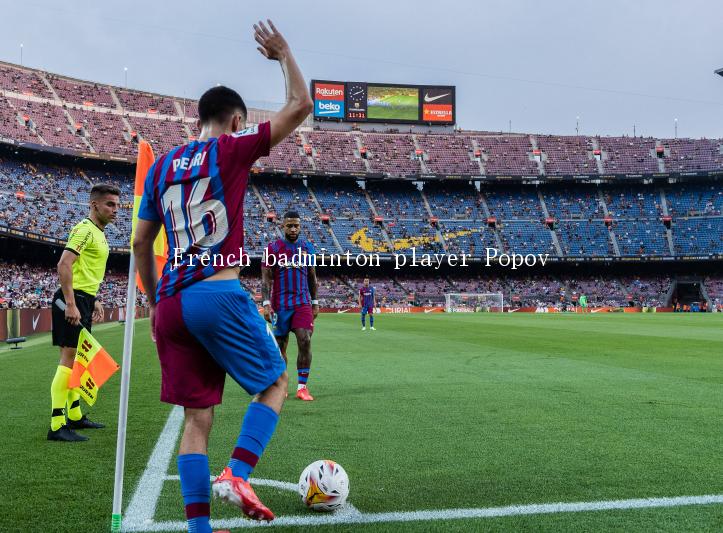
364, 320
371, 321
258, 426
303, 375
196, 491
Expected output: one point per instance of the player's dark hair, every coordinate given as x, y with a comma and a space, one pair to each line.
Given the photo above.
101, 189
291, 214
218, 104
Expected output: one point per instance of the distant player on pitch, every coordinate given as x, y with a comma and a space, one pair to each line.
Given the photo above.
367, 302
204, 323
289, 293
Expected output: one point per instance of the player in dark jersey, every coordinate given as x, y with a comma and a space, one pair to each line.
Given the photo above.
289, 293
367, 302
204, 324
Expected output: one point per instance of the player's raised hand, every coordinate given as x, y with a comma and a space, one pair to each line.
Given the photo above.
272, 43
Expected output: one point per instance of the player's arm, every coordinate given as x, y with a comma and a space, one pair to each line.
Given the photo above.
65, 274
313, 284
298, 105
266, 284
146, 232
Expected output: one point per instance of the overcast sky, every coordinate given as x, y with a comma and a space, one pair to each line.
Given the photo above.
539, 64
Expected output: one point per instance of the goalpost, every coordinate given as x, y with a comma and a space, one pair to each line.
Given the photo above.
473, 302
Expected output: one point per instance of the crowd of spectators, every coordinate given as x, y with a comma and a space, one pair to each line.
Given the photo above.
24, 285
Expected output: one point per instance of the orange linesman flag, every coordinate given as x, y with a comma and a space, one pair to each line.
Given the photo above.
160, 245
92, 367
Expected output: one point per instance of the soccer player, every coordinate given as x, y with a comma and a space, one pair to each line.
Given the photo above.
583, 303
204, 323
81, 270
367, 302
289, 292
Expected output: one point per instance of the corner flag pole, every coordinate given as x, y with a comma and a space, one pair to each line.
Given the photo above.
143, 164
120, 449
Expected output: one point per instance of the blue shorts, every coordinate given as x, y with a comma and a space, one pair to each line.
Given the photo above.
367, 310
206, 331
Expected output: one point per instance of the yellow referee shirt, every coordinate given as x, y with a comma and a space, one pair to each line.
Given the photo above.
87, 241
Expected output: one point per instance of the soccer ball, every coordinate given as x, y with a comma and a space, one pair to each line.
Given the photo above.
324, 486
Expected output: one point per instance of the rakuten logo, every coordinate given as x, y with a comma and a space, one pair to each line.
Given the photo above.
327, 91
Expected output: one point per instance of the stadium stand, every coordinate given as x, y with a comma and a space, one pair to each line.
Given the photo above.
628, 155
391, 154
336, 151
78, 92
577, 221
567, 155
449, 154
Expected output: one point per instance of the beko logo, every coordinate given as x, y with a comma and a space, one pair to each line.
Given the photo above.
326, 108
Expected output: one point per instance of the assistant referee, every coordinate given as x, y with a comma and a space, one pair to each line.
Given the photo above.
81, 270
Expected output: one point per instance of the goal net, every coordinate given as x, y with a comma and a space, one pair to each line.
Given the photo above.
471, 302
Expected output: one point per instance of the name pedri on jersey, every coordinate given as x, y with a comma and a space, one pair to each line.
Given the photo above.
197, 190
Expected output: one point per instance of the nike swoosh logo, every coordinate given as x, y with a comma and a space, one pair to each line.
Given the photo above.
340, 311
428, 311
35, 321
429, 99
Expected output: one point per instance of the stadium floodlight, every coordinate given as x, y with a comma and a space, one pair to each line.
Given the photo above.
473, 302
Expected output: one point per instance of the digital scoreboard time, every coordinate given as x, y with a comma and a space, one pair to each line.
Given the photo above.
383, 102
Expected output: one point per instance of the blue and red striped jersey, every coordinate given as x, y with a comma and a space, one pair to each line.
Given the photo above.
367, 294
197, 190
289, 262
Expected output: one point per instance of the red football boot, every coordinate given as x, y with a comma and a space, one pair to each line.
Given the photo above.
303, 394
236, 491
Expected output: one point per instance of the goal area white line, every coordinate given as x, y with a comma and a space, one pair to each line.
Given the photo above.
139, 515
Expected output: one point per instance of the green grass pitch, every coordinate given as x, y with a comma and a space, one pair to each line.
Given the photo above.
401, 107
429, 412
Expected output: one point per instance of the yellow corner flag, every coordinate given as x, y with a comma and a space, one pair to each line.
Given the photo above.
92, 367
160, 245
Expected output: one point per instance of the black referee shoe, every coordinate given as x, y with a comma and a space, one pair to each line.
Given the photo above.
65, 434
84, 423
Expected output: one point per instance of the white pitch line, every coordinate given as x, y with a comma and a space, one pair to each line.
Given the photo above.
142, 508
448, 514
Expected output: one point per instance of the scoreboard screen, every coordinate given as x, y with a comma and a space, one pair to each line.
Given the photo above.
354, 101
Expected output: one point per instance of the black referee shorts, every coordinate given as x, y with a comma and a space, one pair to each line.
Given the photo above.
64, 333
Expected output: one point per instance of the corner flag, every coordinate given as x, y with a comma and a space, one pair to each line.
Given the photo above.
160, 245
92, 367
